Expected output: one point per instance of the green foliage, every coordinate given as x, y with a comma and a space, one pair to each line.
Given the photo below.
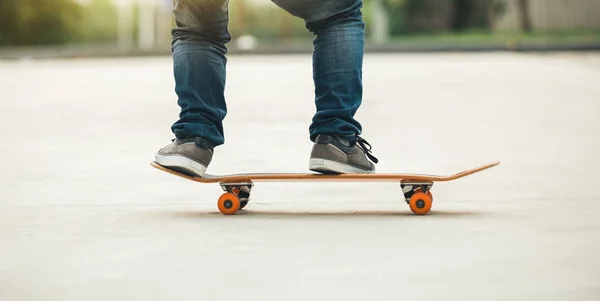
99, 22
420, 16
34, 22
442, 16
37, 22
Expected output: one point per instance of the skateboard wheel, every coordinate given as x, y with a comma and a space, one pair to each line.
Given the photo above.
229, 203
420, 203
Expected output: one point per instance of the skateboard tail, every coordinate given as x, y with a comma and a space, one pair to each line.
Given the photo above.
468, 172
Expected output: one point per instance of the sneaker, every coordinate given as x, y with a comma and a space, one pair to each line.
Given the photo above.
332, 155
190, 156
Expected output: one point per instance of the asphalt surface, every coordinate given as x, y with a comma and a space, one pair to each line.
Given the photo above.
83, 216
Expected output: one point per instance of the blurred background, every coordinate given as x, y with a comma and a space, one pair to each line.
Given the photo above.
83, 216
141, 27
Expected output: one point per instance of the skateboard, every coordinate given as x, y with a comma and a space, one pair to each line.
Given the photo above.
416, 188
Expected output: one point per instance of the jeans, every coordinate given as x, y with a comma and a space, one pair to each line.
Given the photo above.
199, 65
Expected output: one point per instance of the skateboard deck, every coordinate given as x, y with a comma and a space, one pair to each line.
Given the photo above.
416, 187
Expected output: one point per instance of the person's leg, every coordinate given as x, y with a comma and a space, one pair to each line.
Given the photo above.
338, 52
199, 66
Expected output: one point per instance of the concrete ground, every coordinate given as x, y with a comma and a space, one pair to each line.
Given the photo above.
83, 216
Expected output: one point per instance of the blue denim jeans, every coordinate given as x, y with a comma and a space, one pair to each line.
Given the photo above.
199, 64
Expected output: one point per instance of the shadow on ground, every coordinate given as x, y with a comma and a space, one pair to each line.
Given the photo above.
308, 214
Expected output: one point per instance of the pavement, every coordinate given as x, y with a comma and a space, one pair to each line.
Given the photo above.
83, 216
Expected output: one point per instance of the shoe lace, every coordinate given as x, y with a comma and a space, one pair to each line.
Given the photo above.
365, 147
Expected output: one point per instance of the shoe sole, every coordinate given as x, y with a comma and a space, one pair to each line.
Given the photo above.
181, 164
329, 167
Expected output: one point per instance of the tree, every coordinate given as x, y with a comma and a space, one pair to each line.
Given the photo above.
99, 21
470, 14
524, 17
35, 22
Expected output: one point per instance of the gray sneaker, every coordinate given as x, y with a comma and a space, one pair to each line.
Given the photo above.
190, 156
331, 155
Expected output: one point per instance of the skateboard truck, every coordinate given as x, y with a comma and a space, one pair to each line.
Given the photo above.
410, 188
418, 193
241, 190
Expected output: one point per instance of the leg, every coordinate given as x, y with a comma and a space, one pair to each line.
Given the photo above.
199, 69
337, 73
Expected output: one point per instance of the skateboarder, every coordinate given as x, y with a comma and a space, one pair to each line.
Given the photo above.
199, 68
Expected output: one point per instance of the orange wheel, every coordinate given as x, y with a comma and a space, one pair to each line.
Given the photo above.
229, 203
430, 195
420, 203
